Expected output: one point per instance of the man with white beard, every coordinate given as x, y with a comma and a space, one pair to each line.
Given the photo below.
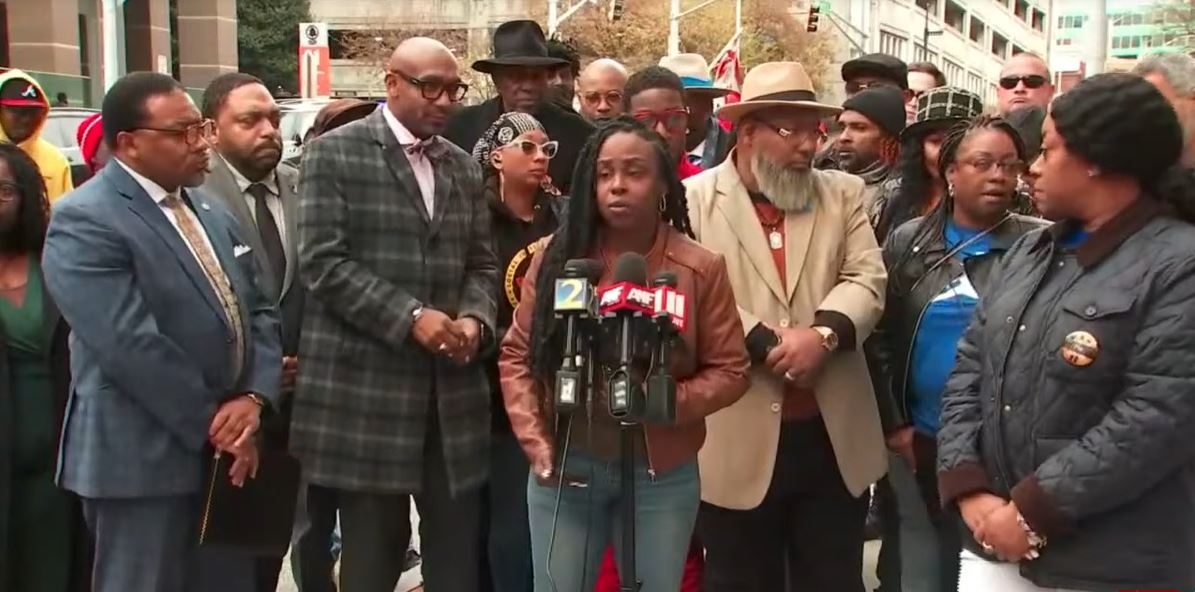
785, 471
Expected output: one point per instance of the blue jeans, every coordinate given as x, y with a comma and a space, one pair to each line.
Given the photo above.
589, 520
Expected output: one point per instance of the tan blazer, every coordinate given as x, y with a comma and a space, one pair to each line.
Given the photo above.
834, 264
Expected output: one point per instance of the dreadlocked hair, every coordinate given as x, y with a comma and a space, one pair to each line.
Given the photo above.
914, 190
890, 150
934, 223
578, 233
1123, 125
33, 214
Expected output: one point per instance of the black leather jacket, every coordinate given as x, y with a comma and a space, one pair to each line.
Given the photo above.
916, 274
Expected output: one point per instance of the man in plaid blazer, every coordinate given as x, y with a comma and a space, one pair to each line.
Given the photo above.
395, 252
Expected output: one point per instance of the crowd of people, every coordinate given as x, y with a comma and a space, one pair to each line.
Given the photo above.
971, 327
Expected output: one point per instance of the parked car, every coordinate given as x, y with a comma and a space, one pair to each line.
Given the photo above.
60, 128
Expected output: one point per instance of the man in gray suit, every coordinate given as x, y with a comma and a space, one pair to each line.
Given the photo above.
173, 348
394, 249
260, 192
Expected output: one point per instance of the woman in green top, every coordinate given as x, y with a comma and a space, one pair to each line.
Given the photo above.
39, 523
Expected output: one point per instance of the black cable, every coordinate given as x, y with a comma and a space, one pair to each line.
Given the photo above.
568, 433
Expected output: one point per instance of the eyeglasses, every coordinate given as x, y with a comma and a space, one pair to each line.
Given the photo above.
801, 134
528, 147
9, 191
985, 165
675, 120
612, 97
432, 90
193, 134
1031, 81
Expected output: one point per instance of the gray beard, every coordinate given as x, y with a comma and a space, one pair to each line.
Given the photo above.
790, 190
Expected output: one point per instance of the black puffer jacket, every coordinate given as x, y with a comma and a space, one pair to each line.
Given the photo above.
1097, 452
916, 274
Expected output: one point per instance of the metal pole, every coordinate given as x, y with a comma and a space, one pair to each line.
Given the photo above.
738, 21
108, 42
674, 28
553, 21
925, 36
1098, 55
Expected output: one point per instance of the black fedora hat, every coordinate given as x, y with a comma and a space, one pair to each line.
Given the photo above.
518, 43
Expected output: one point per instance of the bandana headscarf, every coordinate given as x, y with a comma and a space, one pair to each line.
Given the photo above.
503, 131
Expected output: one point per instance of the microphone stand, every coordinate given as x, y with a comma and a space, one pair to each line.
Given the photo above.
630, 575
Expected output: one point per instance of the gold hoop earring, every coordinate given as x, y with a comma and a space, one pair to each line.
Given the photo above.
663, 203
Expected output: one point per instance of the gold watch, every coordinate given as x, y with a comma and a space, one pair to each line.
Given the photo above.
829, 338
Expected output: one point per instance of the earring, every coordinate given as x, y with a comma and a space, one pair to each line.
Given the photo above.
950, 189
663, 203
1093, 173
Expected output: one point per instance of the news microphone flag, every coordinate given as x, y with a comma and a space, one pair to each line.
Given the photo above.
626, 297
668, 300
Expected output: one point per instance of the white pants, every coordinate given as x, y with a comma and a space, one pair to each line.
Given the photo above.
977, 574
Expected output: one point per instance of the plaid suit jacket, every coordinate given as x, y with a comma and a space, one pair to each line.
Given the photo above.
369, 255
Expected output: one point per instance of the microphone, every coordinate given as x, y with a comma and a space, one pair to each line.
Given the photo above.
573, 301
670, 320
622, 303
670, 304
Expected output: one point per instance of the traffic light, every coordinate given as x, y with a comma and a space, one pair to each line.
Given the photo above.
615, 10
814, 12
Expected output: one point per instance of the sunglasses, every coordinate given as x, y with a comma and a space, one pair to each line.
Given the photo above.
528, 147
675, 120
1031, 81
853, 86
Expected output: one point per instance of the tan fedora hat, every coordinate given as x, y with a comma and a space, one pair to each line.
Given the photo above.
776, 84
694, 73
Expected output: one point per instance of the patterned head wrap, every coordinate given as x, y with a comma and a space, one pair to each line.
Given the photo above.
503, 131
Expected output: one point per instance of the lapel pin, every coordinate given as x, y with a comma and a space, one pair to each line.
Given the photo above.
1080, 349
204, 205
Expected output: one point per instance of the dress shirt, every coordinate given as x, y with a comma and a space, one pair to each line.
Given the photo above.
420, 164
159, 195
273, 201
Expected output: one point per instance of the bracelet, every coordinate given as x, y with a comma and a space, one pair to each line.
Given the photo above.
1036, 541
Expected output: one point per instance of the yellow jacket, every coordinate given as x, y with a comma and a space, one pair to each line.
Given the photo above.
55, 168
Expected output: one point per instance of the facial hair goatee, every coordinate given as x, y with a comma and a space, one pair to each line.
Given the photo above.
789, 189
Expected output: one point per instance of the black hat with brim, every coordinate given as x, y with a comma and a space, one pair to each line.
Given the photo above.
518, 44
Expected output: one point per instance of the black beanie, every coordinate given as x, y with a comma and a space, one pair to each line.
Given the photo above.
884, 105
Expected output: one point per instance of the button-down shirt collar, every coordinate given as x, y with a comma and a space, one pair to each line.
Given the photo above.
243, 183
421, 165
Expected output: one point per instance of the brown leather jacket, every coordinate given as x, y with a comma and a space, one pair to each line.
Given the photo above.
711, 372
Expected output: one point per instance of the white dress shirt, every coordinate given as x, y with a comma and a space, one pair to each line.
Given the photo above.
420, 164
159, 195
273, 199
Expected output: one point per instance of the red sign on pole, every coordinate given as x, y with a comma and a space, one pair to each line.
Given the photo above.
315, 64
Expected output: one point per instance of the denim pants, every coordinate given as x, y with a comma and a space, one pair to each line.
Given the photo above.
589, 520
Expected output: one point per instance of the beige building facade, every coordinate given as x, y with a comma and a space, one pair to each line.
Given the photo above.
59, 41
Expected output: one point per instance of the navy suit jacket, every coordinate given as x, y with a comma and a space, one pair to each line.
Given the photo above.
150, 347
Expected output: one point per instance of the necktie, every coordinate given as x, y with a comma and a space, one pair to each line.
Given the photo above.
267, 227
193, 234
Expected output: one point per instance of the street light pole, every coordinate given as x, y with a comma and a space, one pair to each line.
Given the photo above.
674, 28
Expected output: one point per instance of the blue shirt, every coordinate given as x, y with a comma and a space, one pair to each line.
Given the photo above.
942, 325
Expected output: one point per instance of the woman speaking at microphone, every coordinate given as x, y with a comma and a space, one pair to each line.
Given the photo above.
626, 198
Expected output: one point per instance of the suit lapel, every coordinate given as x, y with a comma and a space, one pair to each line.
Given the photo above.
222, 248
290, 213
735, 206
396, 159
222, 184
798, 232
143, 207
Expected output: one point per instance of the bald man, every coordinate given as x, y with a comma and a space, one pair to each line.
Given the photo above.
600, 89
1024, 82
394, 249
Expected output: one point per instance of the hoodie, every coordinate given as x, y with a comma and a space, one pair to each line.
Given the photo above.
55, 169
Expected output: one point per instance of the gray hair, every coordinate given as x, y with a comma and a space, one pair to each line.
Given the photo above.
1177, 68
